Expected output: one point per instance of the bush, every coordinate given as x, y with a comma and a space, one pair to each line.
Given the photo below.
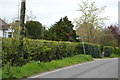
44, 51
90, 49
37, 50
108, 50
114, 55
117, 51
93, 50
10, 50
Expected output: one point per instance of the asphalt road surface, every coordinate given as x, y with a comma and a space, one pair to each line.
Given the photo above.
107, 68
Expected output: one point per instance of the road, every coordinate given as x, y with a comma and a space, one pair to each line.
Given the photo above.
106, 68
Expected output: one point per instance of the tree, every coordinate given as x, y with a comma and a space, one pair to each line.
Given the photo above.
103, 37
30, 16
62, 31
46, 34
87, 31
90, 21
91, 14
34, 29
106, 38
16, 23
15, 27
115, 30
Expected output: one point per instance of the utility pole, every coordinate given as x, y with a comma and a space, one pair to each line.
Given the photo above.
22, 17
22, 28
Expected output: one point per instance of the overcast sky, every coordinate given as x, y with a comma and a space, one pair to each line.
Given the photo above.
50, 11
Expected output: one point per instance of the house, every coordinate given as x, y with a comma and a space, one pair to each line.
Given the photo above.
5, 29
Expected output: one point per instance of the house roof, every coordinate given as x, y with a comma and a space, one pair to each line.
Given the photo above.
3, 25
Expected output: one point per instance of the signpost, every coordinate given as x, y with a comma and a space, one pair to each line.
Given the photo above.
81, 37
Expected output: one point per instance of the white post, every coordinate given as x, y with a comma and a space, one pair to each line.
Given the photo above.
83, 45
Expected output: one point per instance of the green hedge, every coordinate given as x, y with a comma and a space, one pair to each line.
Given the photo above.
108, 50
117, 51
37, 50
93, 49
44, 51
90, 49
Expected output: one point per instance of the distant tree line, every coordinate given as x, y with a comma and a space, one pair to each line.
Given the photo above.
60, 31
90, 26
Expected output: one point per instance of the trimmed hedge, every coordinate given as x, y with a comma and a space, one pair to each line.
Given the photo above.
117, 51
108, 50
90, 49
45, 51
93, 50
37, 50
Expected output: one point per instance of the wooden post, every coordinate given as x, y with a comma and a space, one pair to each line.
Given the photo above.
22, 31
22, 17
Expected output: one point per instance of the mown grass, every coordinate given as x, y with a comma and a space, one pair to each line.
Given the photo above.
39, 67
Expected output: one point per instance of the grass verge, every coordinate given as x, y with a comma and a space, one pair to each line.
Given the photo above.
114, 55
39, 67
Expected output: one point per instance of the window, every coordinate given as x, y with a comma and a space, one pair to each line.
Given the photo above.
9, 34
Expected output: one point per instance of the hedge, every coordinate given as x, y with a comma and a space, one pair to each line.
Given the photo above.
117, 51
108, 50
45, 51
90, 49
